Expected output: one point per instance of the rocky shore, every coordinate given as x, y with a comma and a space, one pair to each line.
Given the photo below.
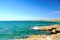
44, 37
54, 30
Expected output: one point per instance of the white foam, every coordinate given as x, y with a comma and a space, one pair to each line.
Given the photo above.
35, 28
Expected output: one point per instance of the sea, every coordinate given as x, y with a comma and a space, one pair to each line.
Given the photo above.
21, 29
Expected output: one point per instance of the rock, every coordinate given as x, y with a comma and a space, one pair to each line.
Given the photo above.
58, 35
52, 28
55, 29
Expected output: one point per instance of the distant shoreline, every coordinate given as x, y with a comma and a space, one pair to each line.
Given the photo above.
32, 20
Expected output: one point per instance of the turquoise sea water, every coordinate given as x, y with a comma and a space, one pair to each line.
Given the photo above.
20, 29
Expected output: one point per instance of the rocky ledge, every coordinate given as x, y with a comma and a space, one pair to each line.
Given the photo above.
44, 37
54, 30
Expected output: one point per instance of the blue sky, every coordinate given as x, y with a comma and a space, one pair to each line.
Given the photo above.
29, 9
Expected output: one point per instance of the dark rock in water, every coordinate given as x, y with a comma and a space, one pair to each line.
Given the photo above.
24, 36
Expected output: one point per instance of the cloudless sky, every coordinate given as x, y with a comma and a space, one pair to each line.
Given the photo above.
29, 9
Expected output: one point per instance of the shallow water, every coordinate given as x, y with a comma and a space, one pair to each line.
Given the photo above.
20, 29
